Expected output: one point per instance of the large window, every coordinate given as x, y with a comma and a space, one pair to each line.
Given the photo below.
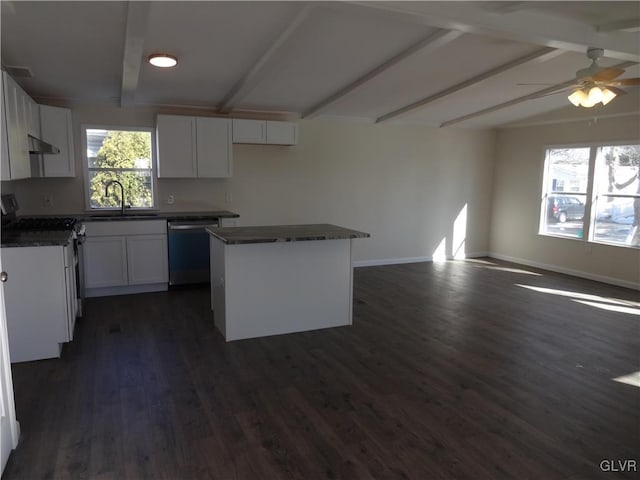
122, 155
594, 193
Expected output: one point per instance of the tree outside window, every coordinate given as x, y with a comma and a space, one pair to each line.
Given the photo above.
122, 155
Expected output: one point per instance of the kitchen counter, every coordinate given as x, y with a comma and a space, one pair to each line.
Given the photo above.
278, 279
36, 238
284, 233
169, 216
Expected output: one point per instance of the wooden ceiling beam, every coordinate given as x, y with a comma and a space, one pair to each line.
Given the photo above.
516, 101
540, 55
259, 70
429, 43
137, 18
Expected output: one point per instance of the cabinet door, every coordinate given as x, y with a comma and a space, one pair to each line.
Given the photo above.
213, 147
105, 262
249, 131
32, 115
176, 146
57, 130
5, 171
147, 259
282, 133
19, 165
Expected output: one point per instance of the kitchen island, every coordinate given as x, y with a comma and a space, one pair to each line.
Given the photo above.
280, 279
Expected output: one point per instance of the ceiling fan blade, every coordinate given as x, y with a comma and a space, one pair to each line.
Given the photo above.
607, 74
564, 90
629, 81
617, 91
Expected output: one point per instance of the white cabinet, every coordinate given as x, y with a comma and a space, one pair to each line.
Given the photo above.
18, 123
265, 132
40, 300
282, 133
194, 147
105, 261
56, 129
147, 259
122, 256
249, 131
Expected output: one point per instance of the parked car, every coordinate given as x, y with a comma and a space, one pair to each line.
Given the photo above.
561, 208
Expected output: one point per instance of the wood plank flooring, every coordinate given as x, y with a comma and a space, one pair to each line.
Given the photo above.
450, 371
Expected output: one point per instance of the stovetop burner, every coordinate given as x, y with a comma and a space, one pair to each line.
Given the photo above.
41, 223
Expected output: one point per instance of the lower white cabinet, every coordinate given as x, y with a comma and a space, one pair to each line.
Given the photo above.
125, 257
40, 300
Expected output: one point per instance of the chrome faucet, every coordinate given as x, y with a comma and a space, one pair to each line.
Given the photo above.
106, 193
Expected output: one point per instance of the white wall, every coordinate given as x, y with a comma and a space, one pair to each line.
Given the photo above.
405, 185
517, 187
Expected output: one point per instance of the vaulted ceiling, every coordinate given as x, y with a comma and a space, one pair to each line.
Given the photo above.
430, 63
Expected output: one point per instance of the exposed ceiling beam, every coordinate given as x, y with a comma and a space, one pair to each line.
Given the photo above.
268, 59
137, 17
429, 43
516, 101
627, 25
529, 26
543, 54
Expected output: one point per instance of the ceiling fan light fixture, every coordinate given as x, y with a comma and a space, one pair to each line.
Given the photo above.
595, 95
607, 96
578, 97
163, 60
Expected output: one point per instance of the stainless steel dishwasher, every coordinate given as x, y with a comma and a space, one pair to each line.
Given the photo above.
189, 251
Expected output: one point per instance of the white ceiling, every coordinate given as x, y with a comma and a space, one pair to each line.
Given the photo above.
458, 63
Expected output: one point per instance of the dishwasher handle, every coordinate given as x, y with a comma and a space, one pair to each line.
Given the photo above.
190, 226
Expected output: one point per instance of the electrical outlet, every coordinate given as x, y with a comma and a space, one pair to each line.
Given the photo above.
171, 200
47, 201
227, 197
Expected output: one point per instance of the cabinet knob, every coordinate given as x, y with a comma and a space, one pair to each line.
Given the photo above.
4, 277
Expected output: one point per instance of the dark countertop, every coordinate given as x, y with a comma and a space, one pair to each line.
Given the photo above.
284, 233
36, 239
11, 238
169, 216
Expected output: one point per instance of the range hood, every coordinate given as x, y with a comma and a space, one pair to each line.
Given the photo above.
37, 146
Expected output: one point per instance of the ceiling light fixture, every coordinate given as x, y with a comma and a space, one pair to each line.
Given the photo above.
588, 97
163, 60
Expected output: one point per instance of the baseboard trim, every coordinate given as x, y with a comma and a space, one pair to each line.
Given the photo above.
398, 261
567, 271
125, 290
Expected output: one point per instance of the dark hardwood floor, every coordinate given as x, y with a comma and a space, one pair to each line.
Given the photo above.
450, 371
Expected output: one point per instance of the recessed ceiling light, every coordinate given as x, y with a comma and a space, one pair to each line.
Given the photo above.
163, 60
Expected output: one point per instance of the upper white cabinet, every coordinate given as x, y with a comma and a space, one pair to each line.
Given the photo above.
265, 132
249, 131
282, 133
18, 119
56, 129
194, 147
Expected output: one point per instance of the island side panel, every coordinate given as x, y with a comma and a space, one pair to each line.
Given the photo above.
285, 287
217, 262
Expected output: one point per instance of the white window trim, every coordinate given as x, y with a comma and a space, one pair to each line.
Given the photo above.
589, 213
85, 165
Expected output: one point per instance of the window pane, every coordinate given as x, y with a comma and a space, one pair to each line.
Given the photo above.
614, 220
564, 195
617, 193
138, 190
112, 150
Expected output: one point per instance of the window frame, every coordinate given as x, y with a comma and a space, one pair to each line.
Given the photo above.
591, 196
87, 170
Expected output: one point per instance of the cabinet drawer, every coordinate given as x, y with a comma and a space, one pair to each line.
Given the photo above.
128, 227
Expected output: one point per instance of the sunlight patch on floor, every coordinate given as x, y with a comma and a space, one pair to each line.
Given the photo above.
631, 379
609, 307
583, 296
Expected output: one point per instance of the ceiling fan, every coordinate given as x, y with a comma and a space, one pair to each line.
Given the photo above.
596, 84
